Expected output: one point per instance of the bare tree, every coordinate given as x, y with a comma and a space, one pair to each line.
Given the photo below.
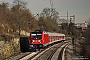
5, 5
50, 13
19, 4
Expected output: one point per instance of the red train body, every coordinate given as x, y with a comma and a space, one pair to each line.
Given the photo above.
41, 39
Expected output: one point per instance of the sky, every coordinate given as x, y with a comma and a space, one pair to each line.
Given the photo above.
79, 8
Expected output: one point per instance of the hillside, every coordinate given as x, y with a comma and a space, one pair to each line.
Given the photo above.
12, 19
17, 18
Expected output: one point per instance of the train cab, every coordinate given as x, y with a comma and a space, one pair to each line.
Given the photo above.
37, 39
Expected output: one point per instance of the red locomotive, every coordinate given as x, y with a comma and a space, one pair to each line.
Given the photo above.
40, 39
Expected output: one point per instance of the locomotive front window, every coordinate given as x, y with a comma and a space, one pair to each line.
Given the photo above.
36, 35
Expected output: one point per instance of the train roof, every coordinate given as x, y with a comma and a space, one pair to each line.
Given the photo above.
54, 34
50, 34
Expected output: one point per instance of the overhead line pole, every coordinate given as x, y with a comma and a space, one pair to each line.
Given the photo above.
67, 15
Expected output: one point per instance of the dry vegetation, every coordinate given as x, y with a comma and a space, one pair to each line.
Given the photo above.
86, 45
10, 19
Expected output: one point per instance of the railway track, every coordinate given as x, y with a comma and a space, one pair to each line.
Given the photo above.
51, 53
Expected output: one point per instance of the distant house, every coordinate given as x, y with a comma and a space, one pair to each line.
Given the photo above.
82, 26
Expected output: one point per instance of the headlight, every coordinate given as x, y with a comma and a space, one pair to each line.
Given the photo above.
33, 40
39, 40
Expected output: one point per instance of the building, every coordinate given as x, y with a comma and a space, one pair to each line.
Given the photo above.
82, 26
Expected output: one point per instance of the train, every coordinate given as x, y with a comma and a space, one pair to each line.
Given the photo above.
40, 39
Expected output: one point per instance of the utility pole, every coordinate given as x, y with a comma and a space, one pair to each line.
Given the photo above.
67, 15
18, 19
